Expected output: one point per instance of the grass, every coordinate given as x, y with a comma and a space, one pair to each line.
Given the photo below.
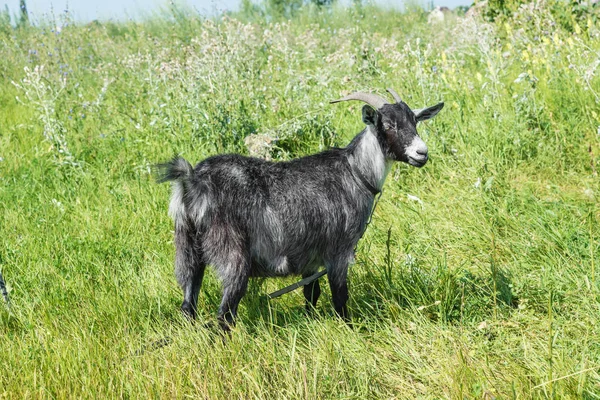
476, 279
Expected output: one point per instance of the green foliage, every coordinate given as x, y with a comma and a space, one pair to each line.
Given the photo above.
496, 8
5, 26
476, 279
283, 8
566, 13
322, 3
577, 14
278, 9
251, 10
24, 16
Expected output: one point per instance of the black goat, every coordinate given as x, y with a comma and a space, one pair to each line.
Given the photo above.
250, 217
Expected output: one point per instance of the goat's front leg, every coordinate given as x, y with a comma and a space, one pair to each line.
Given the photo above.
235, 284
312, 291
337, 274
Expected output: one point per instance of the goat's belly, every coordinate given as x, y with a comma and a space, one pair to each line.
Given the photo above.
278, 266
282, 266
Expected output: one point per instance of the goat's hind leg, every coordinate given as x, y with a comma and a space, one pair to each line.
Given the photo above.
236, 272
189, 268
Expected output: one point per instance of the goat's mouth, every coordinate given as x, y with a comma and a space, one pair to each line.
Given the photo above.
418, 161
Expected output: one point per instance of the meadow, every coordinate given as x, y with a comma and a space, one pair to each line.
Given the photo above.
477, 277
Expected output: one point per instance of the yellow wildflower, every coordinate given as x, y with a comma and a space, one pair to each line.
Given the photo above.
556, 39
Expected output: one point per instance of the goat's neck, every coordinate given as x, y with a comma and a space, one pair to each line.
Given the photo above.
368, 159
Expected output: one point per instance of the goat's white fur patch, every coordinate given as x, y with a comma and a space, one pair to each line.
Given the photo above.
177, 209
370, 160
274, 225
198, 210
176, 206
281, 265
265, 245
238, 173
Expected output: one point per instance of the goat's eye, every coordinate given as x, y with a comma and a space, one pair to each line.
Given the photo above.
387, 127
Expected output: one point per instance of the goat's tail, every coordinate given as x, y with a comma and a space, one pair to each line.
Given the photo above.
179, 171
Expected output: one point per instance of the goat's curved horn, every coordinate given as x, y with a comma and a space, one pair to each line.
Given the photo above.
369, 98
396, 96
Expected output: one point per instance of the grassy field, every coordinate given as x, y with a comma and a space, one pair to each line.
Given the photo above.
476, 279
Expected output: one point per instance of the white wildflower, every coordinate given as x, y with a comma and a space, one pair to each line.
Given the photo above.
414, 198
58, 205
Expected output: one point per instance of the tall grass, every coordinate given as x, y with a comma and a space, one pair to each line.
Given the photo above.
476, 279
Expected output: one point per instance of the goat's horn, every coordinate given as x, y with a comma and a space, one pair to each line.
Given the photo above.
369, 98
396, 96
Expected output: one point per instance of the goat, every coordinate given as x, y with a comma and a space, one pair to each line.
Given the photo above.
249, 217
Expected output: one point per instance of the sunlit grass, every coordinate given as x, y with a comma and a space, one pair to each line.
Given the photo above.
477, 277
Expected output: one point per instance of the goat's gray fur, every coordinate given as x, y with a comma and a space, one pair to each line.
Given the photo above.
250, 217
4, 291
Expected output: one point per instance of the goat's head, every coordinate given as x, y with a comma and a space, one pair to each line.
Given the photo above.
396, 126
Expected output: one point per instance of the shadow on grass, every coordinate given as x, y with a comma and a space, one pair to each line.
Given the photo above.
378, 291
440, 292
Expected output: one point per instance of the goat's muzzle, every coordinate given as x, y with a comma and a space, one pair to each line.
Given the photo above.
417, 153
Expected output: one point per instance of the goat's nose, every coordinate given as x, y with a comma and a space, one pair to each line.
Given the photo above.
422, 151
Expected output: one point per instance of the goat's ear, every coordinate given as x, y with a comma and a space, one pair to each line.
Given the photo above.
429, 112
369, 115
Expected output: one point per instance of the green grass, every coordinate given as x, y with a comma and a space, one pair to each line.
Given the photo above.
476, 279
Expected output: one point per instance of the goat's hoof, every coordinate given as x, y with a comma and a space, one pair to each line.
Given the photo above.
210, 326
311, 312
188, 311
226, 327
